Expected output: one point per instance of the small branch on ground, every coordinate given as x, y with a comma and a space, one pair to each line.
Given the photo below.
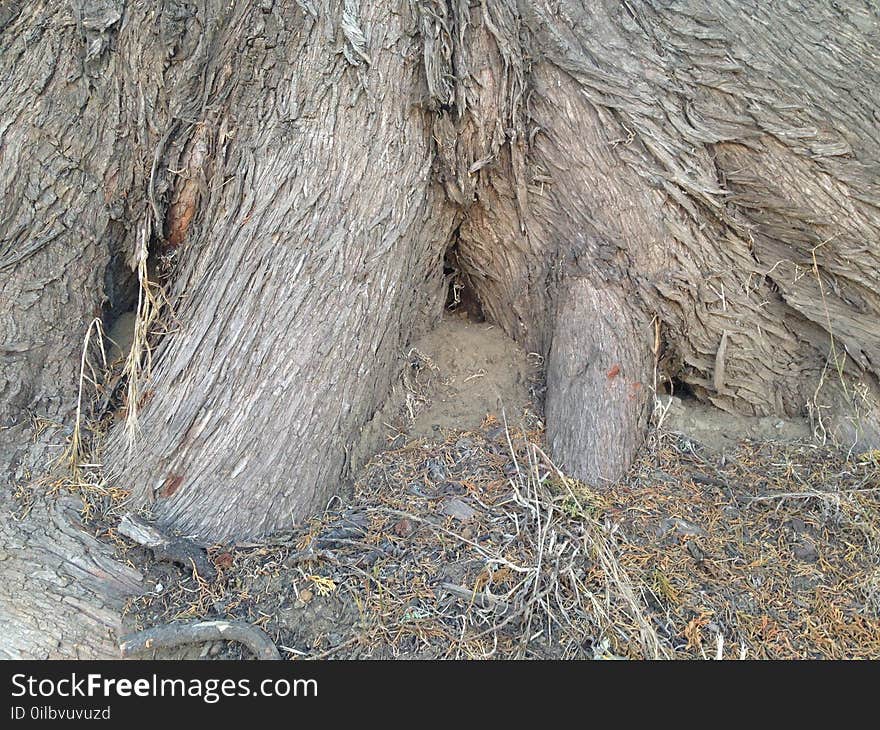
173, 635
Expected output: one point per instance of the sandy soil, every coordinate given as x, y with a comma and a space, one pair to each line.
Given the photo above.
722, 431
475, 371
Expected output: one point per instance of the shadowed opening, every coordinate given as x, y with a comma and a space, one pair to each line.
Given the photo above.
461, 298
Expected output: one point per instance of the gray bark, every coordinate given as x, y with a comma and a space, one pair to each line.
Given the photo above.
317, 251
62, 591
708, 171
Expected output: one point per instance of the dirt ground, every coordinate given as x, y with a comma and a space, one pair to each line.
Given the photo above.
722, 432
737, 538
453, 377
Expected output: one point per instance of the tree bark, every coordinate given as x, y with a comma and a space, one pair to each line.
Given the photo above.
683, 188
62, 591
316, 253
598, 381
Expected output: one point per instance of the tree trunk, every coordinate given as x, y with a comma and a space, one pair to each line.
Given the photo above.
682, 191
62, 591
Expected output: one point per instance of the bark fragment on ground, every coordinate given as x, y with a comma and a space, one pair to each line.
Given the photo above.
178, 550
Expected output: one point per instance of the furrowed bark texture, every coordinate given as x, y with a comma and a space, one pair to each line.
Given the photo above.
56, 140
604, 371
606, 172
317, 251
688, 154
62, 591
62, 124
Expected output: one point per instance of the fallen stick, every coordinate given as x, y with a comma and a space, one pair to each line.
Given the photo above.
482, 600
333, 649
173, 635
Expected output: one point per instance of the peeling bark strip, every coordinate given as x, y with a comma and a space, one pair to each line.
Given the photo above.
192, 186
170, 485
595, 165
720, 364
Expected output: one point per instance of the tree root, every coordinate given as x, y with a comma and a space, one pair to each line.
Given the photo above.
173, 635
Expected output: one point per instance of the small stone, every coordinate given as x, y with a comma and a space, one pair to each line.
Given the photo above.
223, 560
458, 509
496, 433
453, 488
368, 560
802, 584
417, 489
436, 471
682, 527
305, 596
404, 528
806, 551
695, 551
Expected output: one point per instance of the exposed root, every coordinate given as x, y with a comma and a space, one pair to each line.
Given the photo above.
178, 634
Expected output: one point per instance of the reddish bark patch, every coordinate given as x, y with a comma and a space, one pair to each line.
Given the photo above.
146, 398
634, 389
404, 528
180, 217
171, 485
613, 372
185, 203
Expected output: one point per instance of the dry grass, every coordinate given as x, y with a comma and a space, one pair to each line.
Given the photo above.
138, 363
774, 549
75, 469
770, 554
75, 453
532, 572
